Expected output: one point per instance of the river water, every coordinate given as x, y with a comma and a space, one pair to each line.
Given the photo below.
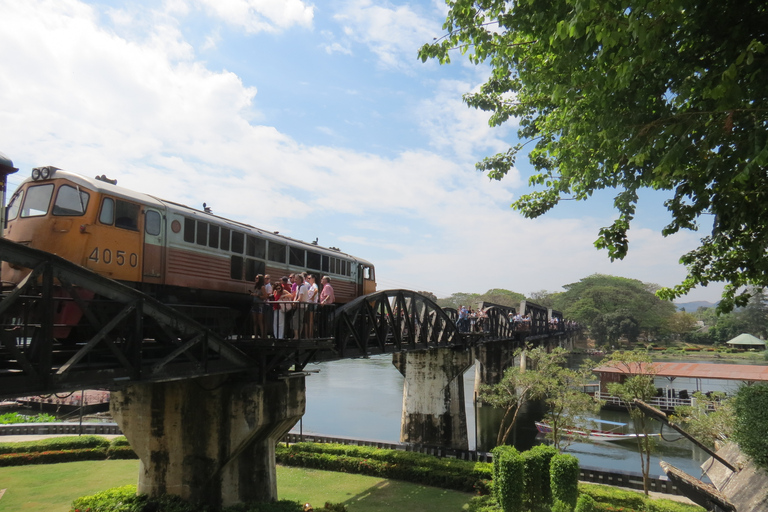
362, 399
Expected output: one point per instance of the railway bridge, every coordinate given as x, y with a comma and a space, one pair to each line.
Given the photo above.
204, 409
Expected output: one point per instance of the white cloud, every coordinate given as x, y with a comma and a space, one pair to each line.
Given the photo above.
261, 15
337, 48
453, 126
393, 33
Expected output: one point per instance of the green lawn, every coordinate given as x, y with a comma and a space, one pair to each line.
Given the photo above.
51, 488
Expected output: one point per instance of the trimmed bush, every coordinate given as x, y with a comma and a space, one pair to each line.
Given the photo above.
22, 459
125, 499
121, 452
586, 503
509, 479
413, 467
559, 506
564, 478
55, 443
538, 493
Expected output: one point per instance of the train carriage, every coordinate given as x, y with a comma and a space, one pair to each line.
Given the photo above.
179, 254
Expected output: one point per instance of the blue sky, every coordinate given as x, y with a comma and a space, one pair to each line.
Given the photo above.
314, 119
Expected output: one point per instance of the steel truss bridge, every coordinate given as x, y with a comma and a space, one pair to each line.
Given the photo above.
127, 336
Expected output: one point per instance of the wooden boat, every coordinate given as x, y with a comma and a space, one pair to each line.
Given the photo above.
594, 434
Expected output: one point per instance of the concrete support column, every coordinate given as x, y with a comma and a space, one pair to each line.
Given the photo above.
492, 358
210, 440
433, 396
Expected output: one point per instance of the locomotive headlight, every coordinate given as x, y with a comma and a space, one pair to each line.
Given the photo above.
45, 173
36, 174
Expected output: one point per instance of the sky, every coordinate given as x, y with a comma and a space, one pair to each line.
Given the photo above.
313, 119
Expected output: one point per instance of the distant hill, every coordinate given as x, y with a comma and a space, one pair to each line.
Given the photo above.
690, 307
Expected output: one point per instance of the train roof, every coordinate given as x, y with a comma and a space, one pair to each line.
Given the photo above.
100, 184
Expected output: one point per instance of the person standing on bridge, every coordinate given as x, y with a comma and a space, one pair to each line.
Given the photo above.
313, 298
327, 296
302, 297
259, 295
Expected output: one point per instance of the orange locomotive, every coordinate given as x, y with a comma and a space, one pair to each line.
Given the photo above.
173, 252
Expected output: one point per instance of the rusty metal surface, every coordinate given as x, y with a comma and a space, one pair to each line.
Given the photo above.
696, 371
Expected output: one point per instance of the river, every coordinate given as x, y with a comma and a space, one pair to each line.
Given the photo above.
362, 399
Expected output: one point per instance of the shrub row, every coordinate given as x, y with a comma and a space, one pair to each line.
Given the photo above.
413, 467
603, 498
125, 499
64, 449
55, 443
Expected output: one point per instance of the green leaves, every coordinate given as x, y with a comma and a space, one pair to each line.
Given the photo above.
665, 95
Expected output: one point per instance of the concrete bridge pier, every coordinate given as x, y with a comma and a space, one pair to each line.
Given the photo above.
210, 440
492, 358
433, 396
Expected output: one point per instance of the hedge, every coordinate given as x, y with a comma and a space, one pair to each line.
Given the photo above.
64, 449
413, 467
51, 457
509, 482
564, 475
125, 499
55, 443
538, 492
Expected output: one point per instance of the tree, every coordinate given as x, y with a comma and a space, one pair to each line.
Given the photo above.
625, 96
458, 299
568, 406
612, 307
518, 386
548, 379
681, 324
431, 296
502, 297
637, 382
708, 418
545, 298
751, 430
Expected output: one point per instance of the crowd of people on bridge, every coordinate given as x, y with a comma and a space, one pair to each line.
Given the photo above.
287, 308
471, 320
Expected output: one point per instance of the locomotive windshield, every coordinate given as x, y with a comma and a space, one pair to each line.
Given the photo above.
14, 205
71, 201
37, 201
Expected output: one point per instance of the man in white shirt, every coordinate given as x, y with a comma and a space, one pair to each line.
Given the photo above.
302, 297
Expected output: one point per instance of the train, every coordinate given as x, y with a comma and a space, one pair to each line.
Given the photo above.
175, 253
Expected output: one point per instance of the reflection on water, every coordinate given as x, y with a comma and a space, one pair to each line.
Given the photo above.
362, 398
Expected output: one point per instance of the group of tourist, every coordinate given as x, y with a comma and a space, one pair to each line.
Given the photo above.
471, 320
287, 308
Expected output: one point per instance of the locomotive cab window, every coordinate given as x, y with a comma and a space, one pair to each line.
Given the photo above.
14, 205
152, 223
70, 201
123, 214
37, 201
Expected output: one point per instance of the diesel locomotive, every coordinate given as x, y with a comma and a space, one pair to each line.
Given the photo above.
175, 253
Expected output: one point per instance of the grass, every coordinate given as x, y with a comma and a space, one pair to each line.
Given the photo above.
52, 487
